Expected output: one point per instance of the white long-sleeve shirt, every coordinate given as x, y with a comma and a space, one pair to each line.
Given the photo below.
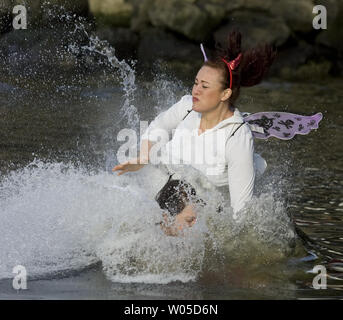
223, 158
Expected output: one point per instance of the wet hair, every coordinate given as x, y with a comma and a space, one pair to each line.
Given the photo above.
175, 195
254, 64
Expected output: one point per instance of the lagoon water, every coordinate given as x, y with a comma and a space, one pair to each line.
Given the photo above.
84, 233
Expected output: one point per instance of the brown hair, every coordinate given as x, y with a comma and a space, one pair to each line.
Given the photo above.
175, 195
254, 64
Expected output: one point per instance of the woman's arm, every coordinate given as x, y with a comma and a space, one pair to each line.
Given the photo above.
168, 120
136, 164
241, 173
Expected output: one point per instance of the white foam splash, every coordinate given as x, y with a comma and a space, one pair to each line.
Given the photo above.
57, 217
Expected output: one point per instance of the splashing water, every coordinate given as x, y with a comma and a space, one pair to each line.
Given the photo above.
126, 73
61, 216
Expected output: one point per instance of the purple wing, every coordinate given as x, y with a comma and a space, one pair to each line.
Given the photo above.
281, 125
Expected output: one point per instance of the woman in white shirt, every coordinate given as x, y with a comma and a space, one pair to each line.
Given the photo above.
210, 134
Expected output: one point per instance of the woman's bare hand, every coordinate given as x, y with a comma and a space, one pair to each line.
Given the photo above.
131, 165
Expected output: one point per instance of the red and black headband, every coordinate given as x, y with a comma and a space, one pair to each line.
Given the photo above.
232, 65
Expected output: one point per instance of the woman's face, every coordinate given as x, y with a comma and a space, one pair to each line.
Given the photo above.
207, 90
